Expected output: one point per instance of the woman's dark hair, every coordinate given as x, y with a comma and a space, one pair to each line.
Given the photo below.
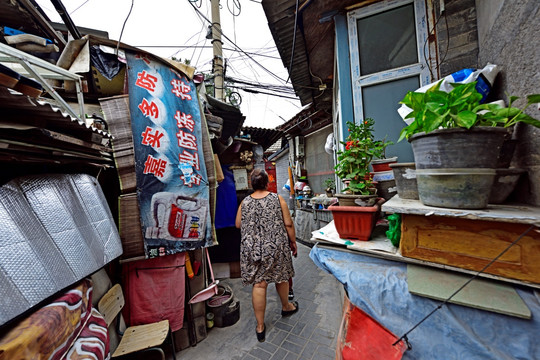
259, 179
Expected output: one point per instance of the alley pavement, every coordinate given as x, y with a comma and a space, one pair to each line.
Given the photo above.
309, 334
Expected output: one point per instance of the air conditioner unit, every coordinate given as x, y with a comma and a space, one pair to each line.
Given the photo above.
299, 143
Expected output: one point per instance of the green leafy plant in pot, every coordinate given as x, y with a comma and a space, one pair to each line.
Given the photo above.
460, 108
353, 161
453, 135
330, 186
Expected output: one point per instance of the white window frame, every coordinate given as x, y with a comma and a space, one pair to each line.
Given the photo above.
420, 68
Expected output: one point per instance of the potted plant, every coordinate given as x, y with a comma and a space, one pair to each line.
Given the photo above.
330, 187
381, 162
354, 160
351, 221
456, 142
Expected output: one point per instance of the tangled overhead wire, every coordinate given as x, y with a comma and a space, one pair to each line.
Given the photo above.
236, 5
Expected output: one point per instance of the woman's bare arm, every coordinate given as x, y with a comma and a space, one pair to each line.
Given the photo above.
238, 221
289, 225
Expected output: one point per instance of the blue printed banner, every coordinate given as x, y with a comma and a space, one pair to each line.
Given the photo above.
172, 183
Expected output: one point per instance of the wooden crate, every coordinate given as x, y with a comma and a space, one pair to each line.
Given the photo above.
472, 244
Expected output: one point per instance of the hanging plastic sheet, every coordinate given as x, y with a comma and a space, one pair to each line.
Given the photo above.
379, 287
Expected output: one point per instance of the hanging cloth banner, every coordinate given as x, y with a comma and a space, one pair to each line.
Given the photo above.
172, 183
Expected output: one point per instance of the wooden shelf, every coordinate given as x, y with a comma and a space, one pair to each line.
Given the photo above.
470, 239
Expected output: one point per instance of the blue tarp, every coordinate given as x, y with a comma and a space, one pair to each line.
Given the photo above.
379, 287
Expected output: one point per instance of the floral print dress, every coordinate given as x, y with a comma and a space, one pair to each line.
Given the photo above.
265, 253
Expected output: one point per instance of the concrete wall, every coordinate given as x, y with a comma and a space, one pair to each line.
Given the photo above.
509, 37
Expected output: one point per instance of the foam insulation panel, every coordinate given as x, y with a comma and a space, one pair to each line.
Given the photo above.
56, 230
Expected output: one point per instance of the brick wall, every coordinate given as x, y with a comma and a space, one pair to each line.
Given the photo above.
458, 24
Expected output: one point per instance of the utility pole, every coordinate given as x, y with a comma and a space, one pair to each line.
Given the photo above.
219, 90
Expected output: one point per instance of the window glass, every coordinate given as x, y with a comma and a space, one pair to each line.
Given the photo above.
387, 40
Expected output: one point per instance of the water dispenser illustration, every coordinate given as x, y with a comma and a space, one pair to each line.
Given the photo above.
177, 217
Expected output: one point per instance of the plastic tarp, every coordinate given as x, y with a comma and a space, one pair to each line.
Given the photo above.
379, 287
56, 230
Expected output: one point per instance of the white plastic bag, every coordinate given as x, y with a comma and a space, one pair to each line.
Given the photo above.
485, 82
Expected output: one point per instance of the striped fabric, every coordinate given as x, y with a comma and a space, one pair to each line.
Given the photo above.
67, 328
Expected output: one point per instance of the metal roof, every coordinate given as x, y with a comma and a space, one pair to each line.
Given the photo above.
313, 59
263, 137
30, 111
308, 120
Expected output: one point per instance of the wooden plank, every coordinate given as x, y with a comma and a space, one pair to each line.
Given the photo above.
479, 293
522, 214
72, 140
137, 338
472, 244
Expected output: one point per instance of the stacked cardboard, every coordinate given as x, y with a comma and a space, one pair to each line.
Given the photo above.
116, 111
117, 115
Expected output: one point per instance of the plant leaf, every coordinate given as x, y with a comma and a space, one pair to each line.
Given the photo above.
466, 119
533, 99
528, 120
432, 120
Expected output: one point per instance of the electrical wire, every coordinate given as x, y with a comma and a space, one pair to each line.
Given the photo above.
78, 7
196, 1
236, 4
198, 37
293, 41
248, 90
123, 26
236, 46
447, 45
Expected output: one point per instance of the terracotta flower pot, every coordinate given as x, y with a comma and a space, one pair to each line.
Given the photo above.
383, 164
356, 222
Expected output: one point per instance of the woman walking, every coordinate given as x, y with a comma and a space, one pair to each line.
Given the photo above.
268, 238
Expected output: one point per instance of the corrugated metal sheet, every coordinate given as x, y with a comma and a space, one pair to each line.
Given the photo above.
307, 121
232, 117
263, 137
34, 112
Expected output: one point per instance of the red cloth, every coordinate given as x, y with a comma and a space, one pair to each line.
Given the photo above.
154, 290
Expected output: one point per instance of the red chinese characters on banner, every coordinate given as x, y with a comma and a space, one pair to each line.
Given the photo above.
184, 121
151, 138
186, 140
149, 109
181, 89
155, 166
146, 81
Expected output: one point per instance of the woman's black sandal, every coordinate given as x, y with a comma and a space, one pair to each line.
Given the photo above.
261, 336
290, 312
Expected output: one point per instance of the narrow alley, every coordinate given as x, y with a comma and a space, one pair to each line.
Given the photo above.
309, 334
